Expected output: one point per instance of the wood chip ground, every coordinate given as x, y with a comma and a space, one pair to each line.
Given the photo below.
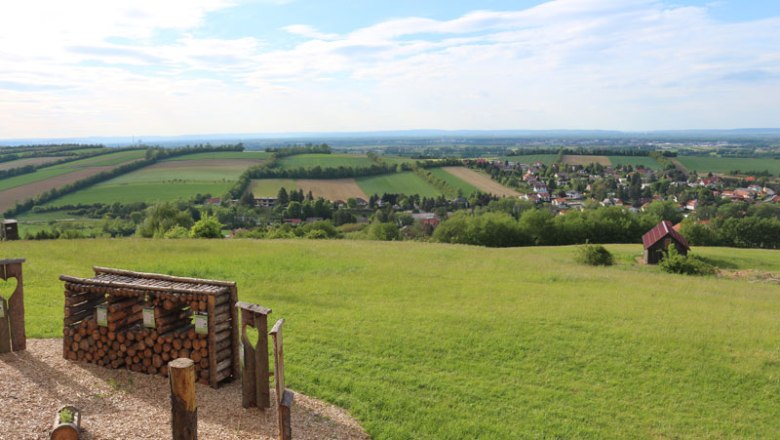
118, 404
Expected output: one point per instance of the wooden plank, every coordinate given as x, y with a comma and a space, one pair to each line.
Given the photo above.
16, 307
254, 308
234, 332
212, 338
276, 333
5, 327
249, 378
261, 361
106, 270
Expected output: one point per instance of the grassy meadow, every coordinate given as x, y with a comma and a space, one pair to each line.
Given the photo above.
324, 161
425, 341
645, 161
399, 183
704, 164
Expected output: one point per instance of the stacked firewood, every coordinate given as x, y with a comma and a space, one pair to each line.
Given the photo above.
123, 341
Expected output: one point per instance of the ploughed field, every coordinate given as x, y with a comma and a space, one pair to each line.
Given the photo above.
443, 341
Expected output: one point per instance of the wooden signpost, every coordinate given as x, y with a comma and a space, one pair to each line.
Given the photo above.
254, 381
12, 335
284, 397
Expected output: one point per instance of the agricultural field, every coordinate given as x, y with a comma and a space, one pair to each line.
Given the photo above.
721, 165
476, 180
569, 159
445, 341
530, 159
271, 187
645, 161
30, 161
324, 161
29, 185
397, 160
177, 178
398, 183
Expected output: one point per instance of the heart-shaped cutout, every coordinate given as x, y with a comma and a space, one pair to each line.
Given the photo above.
8, 287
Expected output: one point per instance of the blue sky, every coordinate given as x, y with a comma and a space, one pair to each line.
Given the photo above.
148, 67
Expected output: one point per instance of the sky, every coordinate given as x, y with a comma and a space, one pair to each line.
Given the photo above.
175, 67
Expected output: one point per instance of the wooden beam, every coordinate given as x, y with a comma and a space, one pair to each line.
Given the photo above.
16, 305
276, 333
5, 327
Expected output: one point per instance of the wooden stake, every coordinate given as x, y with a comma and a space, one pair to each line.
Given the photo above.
15, 311
5, 329
184, 408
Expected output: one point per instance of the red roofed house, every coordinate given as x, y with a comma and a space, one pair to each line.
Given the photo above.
658, 240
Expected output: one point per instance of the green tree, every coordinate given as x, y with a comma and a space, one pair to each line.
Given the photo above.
207, 227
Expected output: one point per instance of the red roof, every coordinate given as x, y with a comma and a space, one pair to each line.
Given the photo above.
662, 230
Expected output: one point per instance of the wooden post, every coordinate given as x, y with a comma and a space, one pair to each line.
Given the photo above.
184, 408
254, 380
15, 305
5, 329
284, 397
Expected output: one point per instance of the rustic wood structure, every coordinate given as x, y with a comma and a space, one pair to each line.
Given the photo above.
66, 430
658, 240
256, 390
9, 230
141, 321
12, 335
184, 406
284, 397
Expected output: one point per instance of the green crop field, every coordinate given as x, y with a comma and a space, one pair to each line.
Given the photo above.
215, 155
271, 187
724, 165
454, 181
42, 174
442, 341
399, 183
324, 161
529, 159
177, 178
397, 160
645, 161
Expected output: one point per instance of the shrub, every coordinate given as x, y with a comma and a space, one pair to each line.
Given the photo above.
207, 227
594, 255
177, 232
673, 262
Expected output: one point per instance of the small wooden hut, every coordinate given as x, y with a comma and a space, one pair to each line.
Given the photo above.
10, 230
658, 240
140, 321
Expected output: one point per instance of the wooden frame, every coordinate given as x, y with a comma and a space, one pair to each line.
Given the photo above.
255, 388
12, 334
177, 301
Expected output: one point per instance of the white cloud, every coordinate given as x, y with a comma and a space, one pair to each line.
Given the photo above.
637, 64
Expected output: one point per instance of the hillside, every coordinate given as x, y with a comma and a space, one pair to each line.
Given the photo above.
437, 341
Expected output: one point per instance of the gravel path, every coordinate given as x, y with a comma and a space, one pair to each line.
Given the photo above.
118, 404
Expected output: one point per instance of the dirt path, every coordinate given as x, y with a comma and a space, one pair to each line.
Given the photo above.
9, 197
332, 189
117, 404
481, 181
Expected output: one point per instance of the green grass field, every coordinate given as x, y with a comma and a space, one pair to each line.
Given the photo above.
177, 178
214, 155
440, 341
454, 181
397, 160
111, 159
271, 187
529, 159
724, 165
645, 161
324, 161
399, 183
